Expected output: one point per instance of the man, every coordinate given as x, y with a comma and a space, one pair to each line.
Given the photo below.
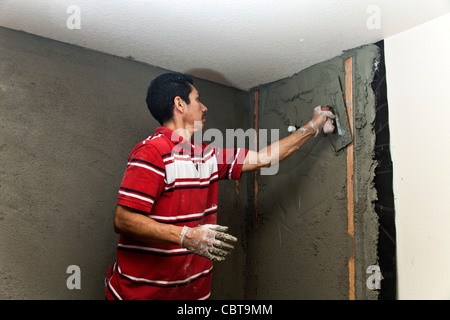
167, 203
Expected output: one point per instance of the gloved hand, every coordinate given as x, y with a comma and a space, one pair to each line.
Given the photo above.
209, 241
320, 117
328, 127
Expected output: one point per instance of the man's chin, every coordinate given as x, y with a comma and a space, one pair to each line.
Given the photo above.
199, 125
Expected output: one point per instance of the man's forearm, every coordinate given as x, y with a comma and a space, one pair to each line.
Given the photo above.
279, 150
144, 229
209, 241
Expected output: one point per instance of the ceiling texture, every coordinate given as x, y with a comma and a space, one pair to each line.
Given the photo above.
240, 43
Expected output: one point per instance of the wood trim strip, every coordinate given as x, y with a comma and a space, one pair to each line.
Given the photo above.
350, 182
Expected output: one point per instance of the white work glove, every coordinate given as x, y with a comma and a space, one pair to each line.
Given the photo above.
328, 127
322, 119
209, 241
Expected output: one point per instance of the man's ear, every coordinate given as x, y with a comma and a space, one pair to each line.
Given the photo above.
179, 104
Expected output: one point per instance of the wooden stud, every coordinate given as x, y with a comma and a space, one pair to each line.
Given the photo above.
350, 182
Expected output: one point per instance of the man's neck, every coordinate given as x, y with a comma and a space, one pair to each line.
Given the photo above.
182, 131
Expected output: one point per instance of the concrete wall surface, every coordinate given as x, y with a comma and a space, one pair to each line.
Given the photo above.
69, 118
301, 247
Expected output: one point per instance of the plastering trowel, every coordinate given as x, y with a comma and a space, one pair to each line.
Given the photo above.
340, 137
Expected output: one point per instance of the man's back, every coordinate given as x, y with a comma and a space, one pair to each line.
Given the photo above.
173, 182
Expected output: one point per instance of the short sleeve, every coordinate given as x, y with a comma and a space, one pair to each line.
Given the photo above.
230, 162
143, 180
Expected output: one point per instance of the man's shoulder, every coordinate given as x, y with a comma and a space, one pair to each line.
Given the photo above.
155, 144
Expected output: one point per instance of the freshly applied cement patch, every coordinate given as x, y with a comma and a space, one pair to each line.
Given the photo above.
301, 241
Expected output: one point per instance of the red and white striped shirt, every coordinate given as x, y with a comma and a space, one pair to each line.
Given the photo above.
175, 182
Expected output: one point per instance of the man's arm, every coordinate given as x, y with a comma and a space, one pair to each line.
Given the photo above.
277, 151
209, 241
137, 226
283, 148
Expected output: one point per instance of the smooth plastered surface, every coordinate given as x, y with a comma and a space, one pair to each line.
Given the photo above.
418, 83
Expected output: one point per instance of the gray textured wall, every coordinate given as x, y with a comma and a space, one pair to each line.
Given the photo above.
301, 247
69, 118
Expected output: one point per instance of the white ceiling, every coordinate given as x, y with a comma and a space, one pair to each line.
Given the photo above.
241, 43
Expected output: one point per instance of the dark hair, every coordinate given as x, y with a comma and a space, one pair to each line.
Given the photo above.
162, 92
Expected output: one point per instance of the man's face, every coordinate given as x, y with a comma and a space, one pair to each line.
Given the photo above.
196, 110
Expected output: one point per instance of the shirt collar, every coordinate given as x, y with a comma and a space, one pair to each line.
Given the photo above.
175, 138
170, 134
